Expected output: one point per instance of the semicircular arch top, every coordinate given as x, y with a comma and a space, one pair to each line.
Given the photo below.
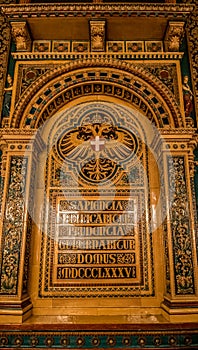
122, 80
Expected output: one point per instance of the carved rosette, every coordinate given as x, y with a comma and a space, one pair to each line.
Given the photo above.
180, 227
174, 36
13, 225
21, 36
97, 35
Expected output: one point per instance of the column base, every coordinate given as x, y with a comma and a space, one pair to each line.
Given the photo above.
183, 310
15, 311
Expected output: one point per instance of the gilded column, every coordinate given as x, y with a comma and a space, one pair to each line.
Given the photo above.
17, 208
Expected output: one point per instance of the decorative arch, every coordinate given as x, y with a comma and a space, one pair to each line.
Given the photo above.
120, 79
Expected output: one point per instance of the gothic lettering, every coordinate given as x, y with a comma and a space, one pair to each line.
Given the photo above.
95, 272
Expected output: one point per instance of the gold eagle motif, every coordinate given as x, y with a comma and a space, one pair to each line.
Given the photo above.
119, 143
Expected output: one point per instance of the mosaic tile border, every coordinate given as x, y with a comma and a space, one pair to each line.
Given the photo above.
147, 338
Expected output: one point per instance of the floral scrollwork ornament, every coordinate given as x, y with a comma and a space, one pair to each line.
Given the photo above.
13, 225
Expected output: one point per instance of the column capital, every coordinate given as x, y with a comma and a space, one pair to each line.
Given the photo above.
28, 139
97, 35
174, 35
21, 36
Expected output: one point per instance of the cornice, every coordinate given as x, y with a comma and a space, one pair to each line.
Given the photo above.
74, 55
4, 132
103, 10
188, 132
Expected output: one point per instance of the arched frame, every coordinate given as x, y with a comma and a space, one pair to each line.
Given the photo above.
71, 83
155, 290
121, 79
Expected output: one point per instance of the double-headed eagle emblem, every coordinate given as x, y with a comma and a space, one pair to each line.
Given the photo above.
98, 140
98, 150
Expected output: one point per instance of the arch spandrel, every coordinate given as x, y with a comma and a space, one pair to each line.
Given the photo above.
123, 80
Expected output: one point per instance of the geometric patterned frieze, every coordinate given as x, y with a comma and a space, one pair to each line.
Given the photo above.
88, 89
20, 56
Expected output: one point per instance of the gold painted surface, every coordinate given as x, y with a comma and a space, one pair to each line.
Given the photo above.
104, 319
94, 241
66, 28
137, 308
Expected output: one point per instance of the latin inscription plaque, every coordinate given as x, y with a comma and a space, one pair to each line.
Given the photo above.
96, 240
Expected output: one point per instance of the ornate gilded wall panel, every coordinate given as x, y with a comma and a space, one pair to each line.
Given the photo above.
90, 244
96, 239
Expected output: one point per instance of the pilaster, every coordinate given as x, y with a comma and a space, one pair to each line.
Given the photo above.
19, 158
179, 228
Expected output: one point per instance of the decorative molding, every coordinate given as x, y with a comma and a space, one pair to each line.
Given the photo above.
137, 336
94, 10
21, 36
8, 133
97, 35
70, 56
180, 134
174, 35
